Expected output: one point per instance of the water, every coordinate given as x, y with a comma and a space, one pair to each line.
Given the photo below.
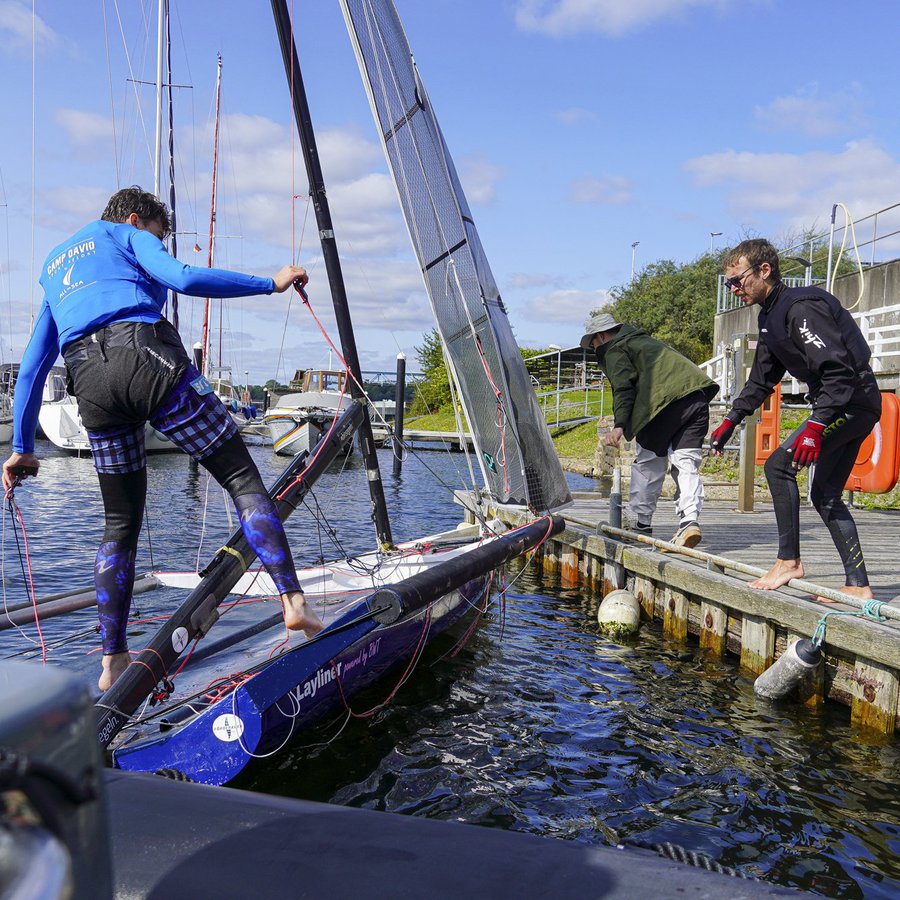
538, 724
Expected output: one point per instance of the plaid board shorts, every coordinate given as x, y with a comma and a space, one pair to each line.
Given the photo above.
196, 422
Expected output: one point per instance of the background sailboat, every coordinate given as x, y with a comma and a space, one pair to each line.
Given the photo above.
298, 419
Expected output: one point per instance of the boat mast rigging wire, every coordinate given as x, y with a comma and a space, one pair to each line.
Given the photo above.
205, 368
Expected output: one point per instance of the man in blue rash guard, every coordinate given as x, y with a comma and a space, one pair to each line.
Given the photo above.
104, 290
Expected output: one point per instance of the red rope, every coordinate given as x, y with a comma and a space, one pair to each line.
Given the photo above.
412, 661
37, 618
471, 629
348, 375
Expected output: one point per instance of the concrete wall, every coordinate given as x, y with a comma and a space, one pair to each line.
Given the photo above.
882, 288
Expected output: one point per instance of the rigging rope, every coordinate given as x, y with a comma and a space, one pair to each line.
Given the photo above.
871, 610
413, 662
862, 282
27, 576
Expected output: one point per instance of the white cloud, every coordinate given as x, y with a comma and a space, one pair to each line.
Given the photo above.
388, 295
613, 190
567, 307
18, 27
574, 116
70, 208
258, 156
84, 127
479, 177
811, 113
561, 18
368, 214
802, 186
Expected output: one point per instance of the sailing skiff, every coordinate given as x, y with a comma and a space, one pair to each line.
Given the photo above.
242, 693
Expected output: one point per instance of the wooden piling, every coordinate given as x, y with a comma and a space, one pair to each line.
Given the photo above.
675, 614
551, 557
645, 591
568, 569
875, 694
713, 628
757, 644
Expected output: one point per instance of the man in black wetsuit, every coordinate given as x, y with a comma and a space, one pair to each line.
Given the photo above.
805, 331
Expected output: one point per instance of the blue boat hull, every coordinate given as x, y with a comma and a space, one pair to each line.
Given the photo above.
295, 691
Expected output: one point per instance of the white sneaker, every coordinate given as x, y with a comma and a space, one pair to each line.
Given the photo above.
688, 535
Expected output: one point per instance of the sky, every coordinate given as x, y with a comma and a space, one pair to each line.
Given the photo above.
578, 127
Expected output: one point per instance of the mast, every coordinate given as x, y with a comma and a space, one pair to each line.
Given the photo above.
212, 221
173, 237
332, 264
162, 16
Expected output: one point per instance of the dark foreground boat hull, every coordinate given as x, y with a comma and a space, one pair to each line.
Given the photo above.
195, 841
132, 835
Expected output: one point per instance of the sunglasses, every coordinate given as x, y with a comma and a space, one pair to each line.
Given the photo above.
734, 282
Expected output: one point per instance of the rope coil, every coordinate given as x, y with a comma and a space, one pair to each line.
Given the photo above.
871, 609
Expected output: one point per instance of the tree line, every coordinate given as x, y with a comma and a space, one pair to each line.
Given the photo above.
674, 302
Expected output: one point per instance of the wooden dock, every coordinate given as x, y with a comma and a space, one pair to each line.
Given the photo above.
697, 598
425, 440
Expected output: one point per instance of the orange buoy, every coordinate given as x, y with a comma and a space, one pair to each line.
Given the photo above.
878, 460
768, 427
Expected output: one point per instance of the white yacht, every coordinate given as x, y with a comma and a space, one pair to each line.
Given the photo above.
297, 420
61, 424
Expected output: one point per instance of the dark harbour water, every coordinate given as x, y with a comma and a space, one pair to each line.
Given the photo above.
538, 724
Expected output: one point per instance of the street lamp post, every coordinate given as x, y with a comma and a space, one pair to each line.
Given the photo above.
634, 244
712, 236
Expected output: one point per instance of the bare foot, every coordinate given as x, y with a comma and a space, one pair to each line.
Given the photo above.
113, 665
779, 575
298, 616
864, 592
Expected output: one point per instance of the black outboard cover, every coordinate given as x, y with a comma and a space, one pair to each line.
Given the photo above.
54, 824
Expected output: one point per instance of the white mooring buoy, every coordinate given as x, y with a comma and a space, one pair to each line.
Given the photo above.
788, 670
619, 614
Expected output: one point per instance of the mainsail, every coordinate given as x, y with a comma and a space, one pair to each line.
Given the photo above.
516, 454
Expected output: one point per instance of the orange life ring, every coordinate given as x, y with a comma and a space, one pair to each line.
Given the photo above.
876, 467
767, 431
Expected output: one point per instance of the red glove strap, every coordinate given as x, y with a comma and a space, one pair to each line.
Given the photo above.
808, 445
719, 438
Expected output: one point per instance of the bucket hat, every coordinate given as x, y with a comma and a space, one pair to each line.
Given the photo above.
599, 322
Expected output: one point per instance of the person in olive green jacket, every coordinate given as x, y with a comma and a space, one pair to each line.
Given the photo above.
662, 399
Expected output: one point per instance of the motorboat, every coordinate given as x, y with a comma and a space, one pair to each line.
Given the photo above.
298, 419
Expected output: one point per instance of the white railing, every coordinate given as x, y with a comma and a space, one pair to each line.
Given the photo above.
560, 407
566, 382
881, 329
881, 228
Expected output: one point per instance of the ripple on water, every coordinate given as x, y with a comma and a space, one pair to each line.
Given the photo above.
538, 724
